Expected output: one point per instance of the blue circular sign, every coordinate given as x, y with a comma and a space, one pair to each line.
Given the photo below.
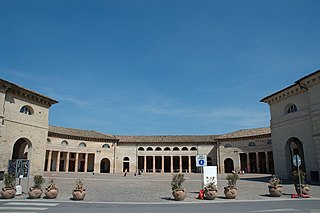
201, 162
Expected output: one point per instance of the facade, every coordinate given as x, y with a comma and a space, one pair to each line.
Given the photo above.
25, 134
295, 126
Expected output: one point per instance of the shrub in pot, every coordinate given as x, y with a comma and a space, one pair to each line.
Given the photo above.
36, 191
178, 192
231, 190
79, 192
211, 190
275, 189
304, 188
51, 190
9, 190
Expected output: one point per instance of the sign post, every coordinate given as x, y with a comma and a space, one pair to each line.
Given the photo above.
201, 161
297, 162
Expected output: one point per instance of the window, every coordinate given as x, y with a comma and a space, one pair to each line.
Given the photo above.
48, 140
227, 145
193, 149
184, 149
149, 149
26, 110
106, 146
82, 144
64, 142
167, 149
291, 108
141, 149
125, 159
252, 144
175, 149
158, 149
269, 142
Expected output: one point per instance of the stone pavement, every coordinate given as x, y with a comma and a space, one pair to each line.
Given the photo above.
157, 188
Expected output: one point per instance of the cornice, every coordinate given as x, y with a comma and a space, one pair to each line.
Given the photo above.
65, 136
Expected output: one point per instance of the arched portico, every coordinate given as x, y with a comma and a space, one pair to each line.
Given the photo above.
105, 165
228, 165
22, 149
294, 147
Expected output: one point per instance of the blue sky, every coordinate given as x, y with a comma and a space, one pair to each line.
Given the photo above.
169, 67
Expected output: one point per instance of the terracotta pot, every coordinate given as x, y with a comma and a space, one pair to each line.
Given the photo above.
230, 192
51, 193
179, 194
35, 193
8, 192
275, 191
79, 194
210, 194
305, 189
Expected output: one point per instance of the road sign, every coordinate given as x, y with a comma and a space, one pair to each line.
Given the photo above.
201, 160
296, 160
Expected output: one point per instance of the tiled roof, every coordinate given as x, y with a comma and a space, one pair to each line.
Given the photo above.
10, 85
87, 134
246, 133
167, 138
93, 135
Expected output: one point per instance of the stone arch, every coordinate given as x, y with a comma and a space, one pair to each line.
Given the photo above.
22, 149
105, 165
294, 147
228, 165
126, 164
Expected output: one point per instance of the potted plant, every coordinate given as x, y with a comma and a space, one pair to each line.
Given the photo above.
275, 189
79, 192
9, 190
305, 188
211, 190
231, 191
178, 192
36, 190
51, 190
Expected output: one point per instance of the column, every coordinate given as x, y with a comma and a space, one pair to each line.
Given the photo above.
248, 163
267, 162
189, 164
154, 164
58, 162
144, 164
85, 162
257, 163
67, 161
162, 164
180, 163
171, 166
76, 163
49, 161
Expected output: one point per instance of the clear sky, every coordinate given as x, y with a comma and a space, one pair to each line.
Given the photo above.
165, 67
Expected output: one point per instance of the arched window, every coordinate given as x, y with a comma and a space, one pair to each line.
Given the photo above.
82, 144
126, 165
175, 149
290, 108
106, 146
158, 149
184, 149
227, 145
167, 149
141, 149
26, 110
126, 159
193, 149
252, 144
149, 149
64, 142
